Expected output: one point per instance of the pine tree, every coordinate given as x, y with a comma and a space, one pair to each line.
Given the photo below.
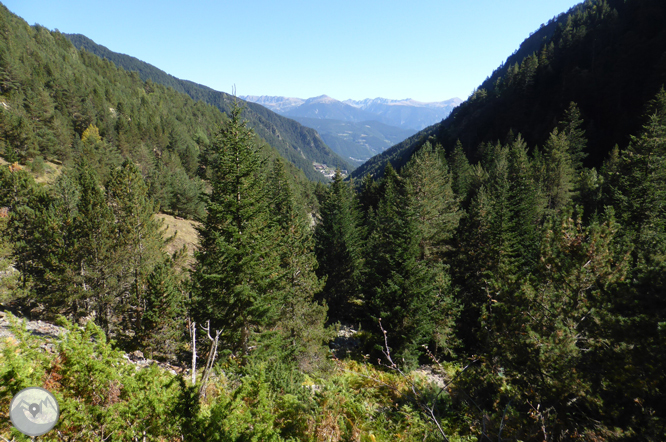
428, 185
96, 290
485, 263
527, 206
163, 321
139, 242
18, 192
549, 329
461, 172
369, 195
558, 173
53, 269
571, 127
637, 307
237, 268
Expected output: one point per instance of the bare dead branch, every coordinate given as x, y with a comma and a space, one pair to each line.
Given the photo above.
212, 354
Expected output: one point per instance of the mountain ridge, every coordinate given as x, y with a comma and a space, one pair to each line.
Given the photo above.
392, 112
388, 117
609, 57
298, 144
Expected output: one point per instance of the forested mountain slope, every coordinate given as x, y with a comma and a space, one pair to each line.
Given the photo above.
608, 56
529, 285
356, 141
298, 144
58, 103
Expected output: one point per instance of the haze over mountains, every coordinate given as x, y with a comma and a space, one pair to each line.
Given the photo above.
359, 129
406, 114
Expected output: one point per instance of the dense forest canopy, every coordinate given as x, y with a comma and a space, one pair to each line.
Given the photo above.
513, 290
62, 104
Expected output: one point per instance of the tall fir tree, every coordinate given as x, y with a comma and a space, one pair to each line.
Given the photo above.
97, 289
571, 127
18, 194
461, 172
236, 275
636, 306
301, 319
162, 327
338, 247
428, 184
527, 206
407, 289
546, 331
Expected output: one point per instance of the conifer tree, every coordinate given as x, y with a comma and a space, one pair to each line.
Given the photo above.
428, 185
139, 240
546, 331
408, 292
369, 195
236, 273
558, 171
301, 319
486, 243
53, 270
163, 321
636, 306
461, 172
526, 205
338, 247
94, 227
97, 288
18, 192
571, 127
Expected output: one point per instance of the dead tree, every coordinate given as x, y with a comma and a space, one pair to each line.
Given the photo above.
212, 354
193, 334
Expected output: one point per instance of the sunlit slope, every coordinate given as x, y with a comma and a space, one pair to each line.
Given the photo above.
298, 144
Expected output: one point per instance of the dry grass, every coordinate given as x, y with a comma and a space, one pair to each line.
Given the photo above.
51, 172
186, 235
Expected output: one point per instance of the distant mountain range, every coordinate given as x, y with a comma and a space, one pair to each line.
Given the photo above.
359, 130
406, 114
356, 142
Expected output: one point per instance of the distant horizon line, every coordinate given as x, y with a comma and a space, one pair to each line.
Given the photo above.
348, 99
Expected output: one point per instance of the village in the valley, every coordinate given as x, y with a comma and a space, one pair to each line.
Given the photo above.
326, 170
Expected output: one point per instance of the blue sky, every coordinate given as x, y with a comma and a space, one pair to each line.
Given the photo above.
425, 50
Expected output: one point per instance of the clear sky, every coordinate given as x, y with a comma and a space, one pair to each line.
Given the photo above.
429, 50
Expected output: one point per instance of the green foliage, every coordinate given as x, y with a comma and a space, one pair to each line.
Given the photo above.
301, 319
163, 320
237, 272
101, 396
544, 276
407, 285
428, 186
338, 245
596, 54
